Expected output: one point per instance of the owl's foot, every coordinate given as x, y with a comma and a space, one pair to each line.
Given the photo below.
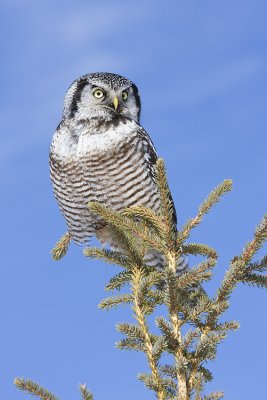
61, 247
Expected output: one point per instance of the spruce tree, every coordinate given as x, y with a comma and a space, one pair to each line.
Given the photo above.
191, 328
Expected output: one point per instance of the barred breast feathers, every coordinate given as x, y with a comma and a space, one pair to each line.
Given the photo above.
111, 164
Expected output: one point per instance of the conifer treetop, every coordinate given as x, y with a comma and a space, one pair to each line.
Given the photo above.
189, 322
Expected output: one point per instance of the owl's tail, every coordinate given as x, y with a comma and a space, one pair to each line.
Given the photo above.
153, 258
156, 260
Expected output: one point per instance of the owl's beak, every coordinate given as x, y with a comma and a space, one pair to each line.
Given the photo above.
115, 102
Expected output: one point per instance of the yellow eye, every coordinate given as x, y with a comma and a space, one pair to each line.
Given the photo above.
98, 93
124, 95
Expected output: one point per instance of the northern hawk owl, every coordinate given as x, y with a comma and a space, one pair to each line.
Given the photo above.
100, 152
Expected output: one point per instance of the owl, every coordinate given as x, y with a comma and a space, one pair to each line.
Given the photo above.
100, 152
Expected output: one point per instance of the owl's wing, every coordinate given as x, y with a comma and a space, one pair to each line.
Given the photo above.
70, 186
150, 155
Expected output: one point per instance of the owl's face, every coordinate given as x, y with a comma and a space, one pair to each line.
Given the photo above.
103, 95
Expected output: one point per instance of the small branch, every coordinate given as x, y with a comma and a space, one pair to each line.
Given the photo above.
85, 394
259, 237
214, 197
121, 222
199, 249
147, 215
167, 205
61, 247
33, 388
238, 267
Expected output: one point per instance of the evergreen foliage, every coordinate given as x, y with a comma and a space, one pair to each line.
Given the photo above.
85, 394
34, 389
61, 247
192, 327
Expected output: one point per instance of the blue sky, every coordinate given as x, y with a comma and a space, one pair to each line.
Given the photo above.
201, 71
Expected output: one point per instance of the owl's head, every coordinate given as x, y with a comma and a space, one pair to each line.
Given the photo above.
102, 94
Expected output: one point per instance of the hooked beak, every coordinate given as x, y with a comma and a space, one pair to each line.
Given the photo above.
115, 102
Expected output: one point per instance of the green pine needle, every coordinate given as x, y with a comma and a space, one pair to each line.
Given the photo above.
123, 224
61, 247
199, 249
255, 280
168, 370
118, 281
34, 389
133, 344
147, 215
108, 256
215, 196
85, 393
148, 380
196, 275
130, 330
114, 301
258, 266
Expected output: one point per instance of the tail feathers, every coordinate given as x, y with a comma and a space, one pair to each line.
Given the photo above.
182, 265
155, 259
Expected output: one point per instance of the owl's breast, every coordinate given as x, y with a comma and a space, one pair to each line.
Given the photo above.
109, 166
105, 139
88, 137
